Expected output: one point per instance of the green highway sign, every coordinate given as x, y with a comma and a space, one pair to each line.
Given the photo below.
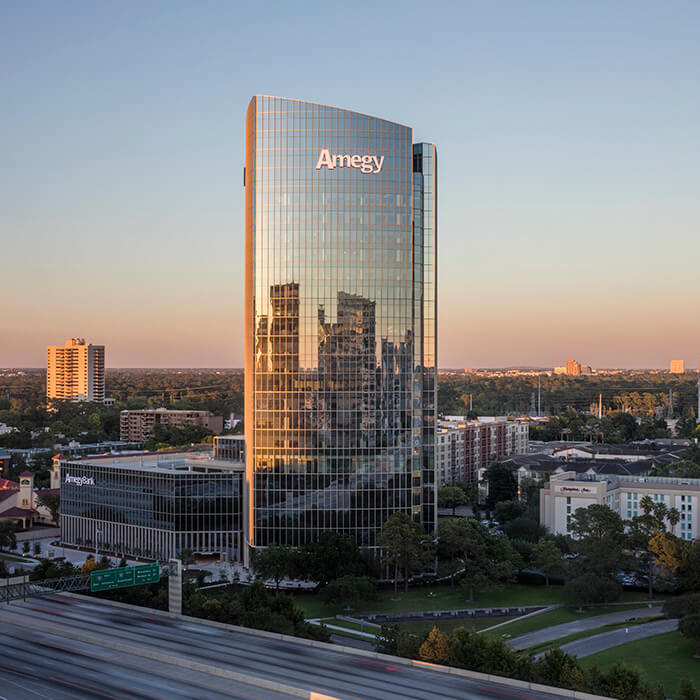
107, 579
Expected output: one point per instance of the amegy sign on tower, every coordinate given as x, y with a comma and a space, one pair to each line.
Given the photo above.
80, 480
366, 164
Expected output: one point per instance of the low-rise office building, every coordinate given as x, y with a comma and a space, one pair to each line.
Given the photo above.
567, 492
153, 505
464, 449
230, 447
139, 424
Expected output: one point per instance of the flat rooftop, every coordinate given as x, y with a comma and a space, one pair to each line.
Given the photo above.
167, 462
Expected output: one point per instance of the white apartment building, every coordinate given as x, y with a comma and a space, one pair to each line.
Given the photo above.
464, 449
75, 371
567, 492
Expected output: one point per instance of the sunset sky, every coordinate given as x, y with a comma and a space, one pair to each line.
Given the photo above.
569, 169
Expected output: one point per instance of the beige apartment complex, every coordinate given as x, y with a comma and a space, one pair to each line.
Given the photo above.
137, 425
75, 371
677, 367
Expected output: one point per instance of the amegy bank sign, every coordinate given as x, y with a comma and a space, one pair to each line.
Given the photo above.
80, 480
365, 163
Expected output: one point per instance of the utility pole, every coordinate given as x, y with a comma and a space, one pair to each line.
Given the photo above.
539, 396
600, 406
470, 404
670, 403
532, 403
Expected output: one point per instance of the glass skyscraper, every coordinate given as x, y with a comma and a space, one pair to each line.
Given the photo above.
340, 322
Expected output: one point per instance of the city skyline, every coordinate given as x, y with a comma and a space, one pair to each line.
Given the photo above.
568, 182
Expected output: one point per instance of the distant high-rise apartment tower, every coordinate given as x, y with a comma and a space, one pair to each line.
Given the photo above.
677, 367
340, 323
573, 368
75, 371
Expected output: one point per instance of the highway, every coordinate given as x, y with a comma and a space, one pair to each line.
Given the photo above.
62, 647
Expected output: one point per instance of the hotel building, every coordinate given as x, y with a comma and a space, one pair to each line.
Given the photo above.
566, 492
75, 371
340, 322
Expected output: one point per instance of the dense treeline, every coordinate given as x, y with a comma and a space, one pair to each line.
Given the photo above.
625, 397
642, 394
23, 404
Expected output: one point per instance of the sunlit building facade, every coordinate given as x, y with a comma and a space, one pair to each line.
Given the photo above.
340, 323
75, 371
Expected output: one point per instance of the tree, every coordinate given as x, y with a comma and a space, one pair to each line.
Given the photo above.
7, 535
689, 575
502, 484
682, 606
346, 591
689, 626
505, 511
591, 588
488, 559
523, 528
451, 532
186, 557
50, 501
547, 557
332, 556
688, 691
435, 648
669, 552
599, 539
274, 562
89, 565
451, 497
404, 545
648, 535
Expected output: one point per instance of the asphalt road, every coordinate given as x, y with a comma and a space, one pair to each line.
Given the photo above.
548, 634
60, 648
600, 642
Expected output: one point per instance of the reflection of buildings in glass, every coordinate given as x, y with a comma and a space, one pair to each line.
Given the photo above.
340, 362
347, 374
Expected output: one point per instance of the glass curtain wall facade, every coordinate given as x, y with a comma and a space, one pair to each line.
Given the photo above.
155, 514
340, 374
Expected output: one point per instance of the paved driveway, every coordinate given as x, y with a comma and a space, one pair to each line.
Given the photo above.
600, 642
549, 634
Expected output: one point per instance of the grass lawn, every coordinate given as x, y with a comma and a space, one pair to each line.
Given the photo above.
421, 628
13, 557
449, 626
446, 598
665, 658
558, 617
